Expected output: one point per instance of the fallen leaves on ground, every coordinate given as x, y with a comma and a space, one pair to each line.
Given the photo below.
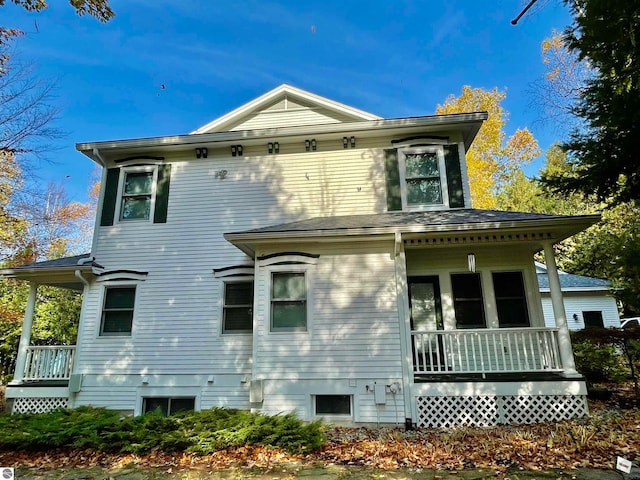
594, 442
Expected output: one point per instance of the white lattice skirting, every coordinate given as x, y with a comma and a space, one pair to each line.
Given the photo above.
38, 405
443, 412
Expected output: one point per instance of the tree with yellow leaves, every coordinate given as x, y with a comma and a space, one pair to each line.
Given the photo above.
493, 158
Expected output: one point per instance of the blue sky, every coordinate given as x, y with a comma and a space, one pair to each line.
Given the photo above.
392, 58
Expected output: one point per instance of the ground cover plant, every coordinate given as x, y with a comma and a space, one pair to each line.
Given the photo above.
195, 432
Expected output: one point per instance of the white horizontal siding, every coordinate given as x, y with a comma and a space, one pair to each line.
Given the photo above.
289, 118
177, 322
283, 396
353, 328
576, 303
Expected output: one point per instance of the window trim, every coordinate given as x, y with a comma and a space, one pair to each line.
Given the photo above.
120, 196
442, 171
169, 398
481, 298
525, 298
337, 416
114, 286
236, 280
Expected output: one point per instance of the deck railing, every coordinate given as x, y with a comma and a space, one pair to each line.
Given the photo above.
49, 362
504, 350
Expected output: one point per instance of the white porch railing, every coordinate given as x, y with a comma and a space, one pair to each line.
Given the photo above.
504, 350
49, 362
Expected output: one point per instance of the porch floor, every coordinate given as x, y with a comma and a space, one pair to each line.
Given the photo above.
490, 377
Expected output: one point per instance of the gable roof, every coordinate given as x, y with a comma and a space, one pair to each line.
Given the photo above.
286, 99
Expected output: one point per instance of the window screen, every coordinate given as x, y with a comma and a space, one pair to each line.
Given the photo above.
238, 307
511, 300
467, 300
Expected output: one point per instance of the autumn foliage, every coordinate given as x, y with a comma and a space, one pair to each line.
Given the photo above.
493, 158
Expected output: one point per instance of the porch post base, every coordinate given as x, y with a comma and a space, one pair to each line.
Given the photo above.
571, 373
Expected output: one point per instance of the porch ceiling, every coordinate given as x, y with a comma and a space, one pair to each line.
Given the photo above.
422, 229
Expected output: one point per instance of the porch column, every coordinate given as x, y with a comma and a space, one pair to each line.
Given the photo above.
564, 340
25, 336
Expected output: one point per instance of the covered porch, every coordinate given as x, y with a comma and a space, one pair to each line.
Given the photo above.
42, 373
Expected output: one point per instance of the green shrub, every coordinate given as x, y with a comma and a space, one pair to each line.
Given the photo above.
220, 428
197, 432
598, 363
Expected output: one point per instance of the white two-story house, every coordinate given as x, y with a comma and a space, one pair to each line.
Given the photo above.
298, 254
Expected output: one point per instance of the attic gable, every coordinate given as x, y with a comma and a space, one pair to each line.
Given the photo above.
285, 106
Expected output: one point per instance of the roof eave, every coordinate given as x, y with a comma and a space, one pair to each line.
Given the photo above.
469, 123
564, 226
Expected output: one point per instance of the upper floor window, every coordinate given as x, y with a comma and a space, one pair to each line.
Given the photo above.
423, 182
288, 302
117, 312
137, 194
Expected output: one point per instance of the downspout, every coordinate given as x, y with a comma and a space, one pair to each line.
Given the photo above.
79, 276
96, 153
78, 273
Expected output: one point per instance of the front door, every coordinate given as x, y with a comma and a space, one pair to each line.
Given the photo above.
426, 316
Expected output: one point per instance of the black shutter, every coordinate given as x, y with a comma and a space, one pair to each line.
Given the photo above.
454, 176
110, 194
162, 194
392, 174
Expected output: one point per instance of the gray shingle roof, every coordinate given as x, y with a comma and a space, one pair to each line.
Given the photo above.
404, 219
58, 262
569, 281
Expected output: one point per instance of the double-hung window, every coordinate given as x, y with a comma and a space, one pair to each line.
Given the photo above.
117, 312
511, 299
238, 307
137, 193
288, 302
423, 178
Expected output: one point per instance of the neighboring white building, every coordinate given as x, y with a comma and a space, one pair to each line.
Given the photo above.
298, 254
587, 301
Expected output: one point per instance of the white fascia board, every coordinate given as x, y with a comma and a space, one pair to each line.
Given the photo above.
606, 290
283, 89
564, 227
472, 121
